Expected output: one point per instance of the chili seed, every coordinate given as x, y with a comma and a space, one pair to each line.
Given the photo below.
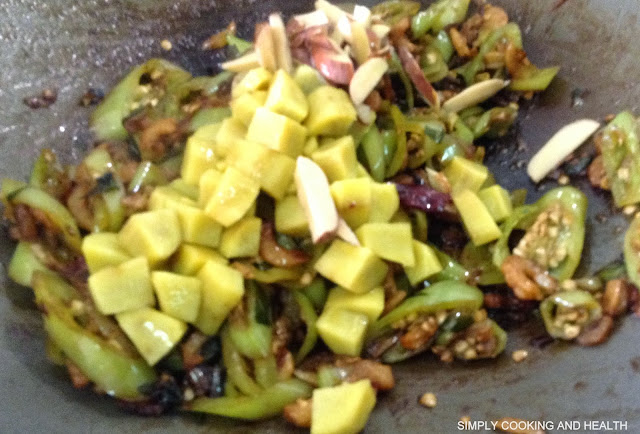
519, 355
428, 400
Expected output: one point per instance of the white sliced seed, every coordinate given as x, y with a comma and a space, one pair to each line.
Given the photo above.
366, 78
281, 43
381, 30
312, 19
475, 94
362, 14
563, 143
360, 42
333, 12
315, 198
241, 64
346, 233
343, 29
266, 49
365, 114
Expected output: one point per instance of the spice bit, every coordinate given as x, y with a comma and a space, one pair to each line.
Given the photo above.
629, 210
519, 355
428, 400
44, 100
563, 180
166, 45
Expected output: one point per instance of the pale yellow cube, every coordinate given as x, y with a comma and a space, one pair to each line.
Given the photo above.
384, 202
255, 79
123, 287
337, 158
242, 239
234, 196
370, 304
355, 268
153, 333
244, 107
178, 296
426, 263
153, 234
290, 217
102, 249
231, 130
272, 169
343, 330
199, 154
286, 97
277, 132
222, 290
190, 258
342, 409
390, 241
208, 183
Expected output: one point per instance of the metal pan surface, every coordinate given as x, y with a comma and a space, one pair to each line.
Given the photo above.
72, 46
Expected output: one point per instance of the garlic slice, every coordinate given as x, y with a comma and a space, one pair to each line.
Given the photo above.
333, 12
365, 114
474, 94
281, 43
265, 48
360, 42
312, 19
241, 64
563, 143
366, 78
315, 197
381, 30
346, 233
362, 14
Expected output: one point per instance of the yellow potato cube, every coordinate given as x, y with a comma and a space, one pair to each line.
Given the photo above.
178, 296
190, 258
242, 239
222, 290
465, 174
342, 409
308, 78
208, 183
123, 287
153, 234
331, 112
343, 330
353, 200
384, 202
286, 98
188, 190
272, 169
479, 224
310, 146
233, 197
390, 241
244, 107
255, 79
290, 217
354, 268
426, 263
497, 201
102, 249
337, 158
277, 132
199, 154
370, 304
231, 130
196, 226
153, 333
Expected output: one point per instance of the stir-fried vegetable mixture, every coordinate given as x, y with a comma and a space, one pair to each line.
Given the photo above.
268, 240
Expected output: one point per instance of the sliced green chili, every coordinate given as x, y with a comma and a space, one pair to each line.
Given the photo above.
566, 313
268, 403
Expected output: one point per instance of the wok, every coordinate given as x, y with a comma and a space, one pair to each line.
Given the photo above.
75, 45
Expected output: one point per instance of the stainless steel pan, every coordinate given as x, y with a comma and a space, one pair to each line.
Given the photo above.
75, 45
